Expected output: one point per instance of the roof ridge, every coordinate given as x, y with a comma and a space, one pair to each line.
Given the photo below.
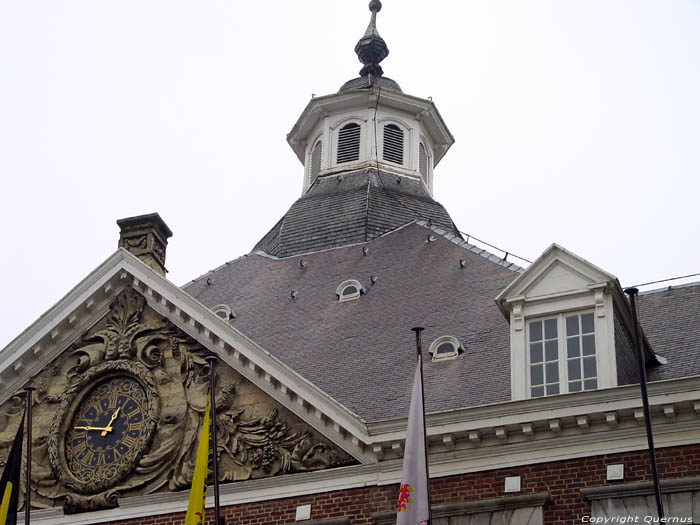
472, 248
670, 287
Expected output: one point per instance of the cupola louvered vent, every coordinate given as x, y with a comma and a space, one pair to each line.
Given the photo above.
393, 144
349, 143
316, 160
423, 162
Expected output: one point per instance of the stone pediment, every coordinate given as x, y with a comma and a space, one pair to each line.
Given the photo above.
125, 328
118, 413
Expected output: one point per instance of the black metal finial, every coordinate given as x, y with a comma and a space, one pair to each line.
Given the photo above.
371, 49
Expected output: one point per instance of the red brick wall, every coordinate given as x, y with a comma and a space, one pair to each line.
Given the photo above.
562, 479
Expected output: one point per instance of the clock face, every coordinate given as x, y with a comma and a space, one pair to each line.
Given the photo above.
107, 432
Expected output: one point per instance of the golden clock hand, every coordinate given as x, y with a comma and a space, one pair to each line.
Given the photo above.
89, 428
108, 428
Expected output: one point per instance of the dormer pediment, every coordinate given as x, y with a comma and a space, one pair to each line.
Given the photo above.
556, 273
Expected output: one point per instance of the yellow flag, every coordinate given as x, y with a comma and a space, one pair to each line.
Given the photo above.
198, 492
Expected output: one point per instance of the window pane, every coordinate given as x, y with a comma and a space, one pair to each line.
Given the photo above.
575, 386
536, 331
588, 344
550, 350
552, 389
550, 328
572, 347
587, 323
536, 353
446, 348
552, 372
349, 290
572, 325
591, 384
589, 367
536, 375
537, 391
574, 368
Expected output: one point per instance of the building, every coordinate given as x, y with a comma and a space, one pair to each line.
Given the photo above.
533, 412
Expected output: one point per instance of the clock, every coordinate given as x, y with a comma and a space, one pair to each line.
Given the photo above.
104, 426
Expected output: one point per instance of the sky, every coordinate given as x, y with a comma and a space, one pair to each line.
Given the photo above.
576, 122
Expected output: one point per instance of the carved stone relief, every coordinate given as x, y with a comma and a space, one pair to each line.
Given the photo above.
156, 378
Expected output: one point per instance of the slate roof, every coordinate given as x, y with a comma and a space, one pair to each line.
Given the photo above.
361, 352
351, 208
670, 318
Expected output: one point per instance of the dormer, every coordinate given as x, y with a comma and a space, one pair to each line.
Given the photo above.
370, 122
569, 326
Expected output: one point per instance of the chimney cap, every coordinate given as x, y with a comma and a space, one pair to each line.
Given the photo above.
142, 220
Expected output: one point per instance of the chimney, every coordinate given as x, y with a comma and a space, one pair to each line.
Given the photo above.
146, 236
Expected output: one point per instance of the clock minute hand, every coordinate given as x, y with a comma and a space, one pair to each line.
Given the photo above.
108, 428
93, 428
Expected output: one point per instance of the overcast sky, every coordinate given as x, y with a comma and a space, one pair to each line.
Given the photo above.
576, 122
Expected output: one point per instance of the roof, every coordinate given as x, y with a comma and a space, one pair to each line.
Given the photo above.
669, 318
351, 208
361, 352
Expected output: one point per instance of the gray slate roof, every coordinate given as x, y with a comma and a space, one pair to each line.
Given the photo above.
670, 319
362, 352
352, 208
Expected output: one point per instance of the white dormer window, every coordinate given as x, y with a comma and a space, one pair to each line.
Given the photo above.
444, 347
562, 354
315, 166
562, 315
349, 290
423, 163
348, 143
223, 311
392, 146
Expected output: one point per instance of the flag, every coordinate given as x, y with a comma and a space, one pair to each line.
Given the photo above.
198, 492
414, 505
9, 482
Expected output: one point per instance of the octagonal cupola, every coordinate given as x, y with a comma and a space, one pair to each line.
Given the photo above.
370, 122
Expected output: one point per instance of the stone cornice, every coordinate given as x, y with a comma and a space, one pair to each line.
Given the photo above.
643, 488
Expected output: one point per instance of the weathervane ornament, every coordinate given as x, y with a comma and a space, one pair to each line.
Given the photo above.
371, 49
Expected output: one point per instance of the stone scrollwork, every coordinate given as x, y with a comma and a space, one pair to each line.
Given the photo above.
257, 437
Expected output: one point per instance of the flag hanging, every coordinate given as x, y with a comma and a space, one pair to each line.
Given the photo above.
198, 492
413, 506
9, 482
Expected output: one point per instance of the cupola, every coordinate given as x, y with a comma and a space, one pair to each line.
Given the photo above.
370, 122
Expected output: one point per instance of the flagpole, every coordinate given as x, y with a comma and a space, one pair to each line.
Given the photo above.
28, 490
217, 512
419, 349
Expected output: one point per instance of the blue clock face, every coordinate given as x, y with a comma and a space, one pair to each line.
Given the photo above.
107, 431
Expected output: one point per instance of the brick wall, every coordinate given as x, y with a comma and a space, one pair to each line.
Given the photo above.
562, 479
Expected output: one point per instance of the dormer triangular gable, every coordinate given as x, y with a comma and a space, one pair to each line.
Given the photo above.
557, 272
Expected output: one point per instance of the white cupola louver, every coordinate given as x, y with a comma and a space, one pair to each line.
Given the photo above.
316, 161
393, 144
349, 143
423, 162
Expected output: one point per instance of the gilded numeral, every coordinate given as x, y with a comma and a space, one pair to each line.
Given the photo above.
135, 426
129, 441
101, 460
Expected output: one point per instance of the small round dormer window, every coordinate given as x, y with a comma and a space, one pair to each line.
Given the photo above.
223, 312
445, 347
348, 290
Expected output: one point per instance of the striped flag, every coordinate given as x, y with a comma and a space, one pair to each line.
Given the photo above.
198, 492
413, 505
9, 482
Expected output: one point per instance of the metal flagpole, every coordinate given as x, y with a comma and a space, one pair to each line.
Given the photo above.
28, 488
212, 428
419, 349
632, 292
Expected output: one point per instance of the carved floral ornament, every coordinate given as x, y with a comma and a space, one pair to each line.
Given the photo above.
158, 379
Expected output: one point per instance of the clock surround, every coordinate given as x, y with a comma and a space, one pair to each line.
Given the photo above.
126, 437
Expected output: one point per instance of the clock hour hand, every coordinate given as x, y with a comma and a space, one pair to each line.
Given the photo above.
93, 428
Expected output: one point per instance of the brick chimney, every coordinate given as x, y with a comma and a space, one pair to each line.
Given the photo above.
146, 236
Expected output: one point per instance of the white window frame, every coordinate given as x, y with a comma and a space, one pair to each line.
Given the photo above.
562, 352
309, 175
335, 135
444, 339
349, 297
408, 153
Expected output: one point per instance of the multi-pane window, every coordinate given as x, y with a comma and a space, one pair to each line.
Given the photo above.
561, 354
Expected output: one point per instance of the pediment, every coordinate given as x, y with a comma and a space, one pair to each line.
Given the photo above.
126, 321
119, 412
556, 272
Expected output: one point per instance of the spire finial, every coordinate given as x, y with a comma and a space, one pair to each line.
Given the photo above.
371, 49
